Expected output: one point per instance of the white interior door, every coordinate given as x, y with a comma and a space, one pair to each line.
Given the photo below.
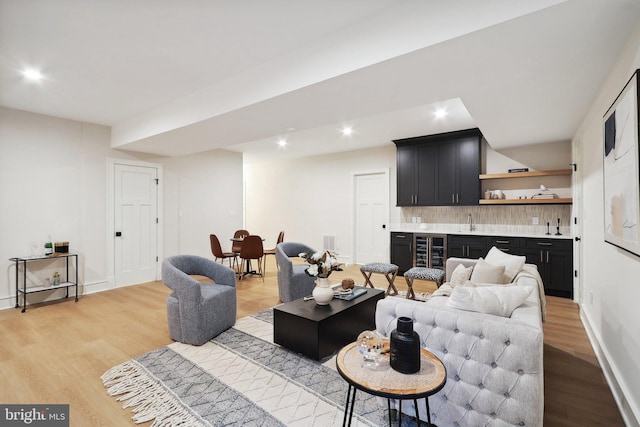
371, 211
135, 224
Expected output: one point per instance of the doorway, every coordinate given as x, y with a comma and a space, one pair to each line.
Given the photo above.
578, 218
371, 216
134, 223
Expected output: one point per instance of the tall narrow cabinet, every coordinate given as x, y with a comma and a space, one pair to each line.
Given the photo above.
457, 170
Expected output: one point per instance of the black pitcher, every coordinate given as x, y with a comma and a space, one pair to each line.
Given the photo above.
405, 347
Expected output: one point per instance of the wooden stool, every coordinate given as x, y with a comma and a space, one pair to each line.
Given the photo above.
389, 270
422, 273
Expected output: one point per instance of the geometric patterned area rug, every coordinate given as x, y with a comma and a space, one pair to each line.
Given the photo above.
239, 378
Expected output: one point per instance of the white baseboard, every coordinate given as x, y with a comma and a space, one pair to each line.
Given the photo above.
7, 302
84, 289
92, 288
629, 411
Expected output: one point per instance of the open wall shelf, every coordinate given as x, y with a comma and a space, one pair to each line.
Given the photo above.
556, 201
525, 174
531, 174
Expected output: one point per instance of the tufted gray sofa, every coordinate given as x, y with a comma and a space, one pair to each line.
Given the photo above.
494, 364
197, 312
293, 282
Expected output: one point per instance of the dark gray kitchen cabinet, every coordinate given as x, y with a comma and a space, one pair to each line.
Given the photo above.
402, 251
510, 245
458, 170
466, 246
554, 258
415, 174
439, 170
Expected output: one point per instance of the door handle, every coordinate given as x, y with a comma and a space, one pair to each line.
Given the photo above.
577, 239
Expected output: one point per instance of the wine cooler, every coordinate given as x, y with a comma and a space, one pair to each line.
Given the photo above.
430, 250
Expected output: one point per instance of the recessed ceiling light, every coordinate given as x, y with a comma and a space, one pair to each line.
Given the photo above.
282, 142
347, 130
440, 113
32, 74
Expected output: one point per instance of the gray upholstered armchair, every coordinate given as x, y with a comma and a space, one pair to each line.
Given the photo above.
293, 282
196, 311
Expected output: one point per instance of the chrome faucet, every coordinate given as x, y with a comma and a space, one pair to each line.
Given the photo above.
470, 222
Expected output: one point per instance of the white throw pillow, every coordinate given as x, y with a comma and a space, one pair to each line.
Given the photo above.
483, 272
512, 263
499, 300
471, 284
460, 275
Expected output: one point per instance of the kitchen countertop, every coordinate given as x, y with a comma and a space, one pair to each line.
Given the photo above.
536, 231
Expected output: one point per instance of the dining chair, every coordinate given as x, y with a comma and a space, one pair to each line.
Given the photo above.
236, 246
272, 251
218, 253
251, 250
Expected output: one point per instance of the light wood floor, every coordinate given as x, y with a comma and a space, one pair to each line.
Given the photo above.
56, 352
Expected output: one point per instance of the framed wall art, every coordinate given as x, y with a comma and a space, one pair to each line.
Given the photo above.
621, 170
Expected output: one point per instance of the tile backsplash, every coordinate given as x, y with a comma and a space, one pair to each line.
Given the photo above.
516, 218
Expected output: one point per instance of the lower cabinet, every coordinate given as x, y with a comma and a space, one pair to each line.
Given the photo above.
402, 251
510, 245
464, 246
553, 257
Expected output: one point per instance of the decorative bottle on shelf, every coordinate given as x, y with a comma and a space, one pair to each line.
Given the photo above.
48, 247
405, 347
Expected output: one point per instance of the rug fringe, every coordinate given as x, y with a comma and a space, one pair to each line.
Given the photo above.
149, 400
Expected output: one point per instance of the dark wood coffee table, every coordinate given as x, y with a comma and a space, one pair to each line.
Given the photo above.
318, 331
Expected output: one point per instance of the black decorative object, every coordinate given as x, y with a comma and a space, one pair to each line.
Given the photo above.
558, 233
405, 347
548, 233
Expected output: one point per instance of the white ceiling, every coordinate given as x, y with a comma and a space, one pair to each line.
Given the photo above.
175, 78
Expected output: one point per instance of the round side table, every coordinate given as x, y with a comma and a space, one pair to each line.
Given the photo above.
386, 382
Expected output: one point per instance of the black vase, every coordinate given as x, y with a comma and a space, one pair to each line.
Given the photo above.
405, 347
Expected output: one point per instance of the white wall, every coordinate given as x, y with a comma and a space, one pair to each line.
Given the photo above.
312, 197
53, 181
203, 195
610, 276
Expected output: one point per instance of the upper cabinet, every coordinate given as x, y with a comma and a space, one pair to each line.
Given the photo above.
457, 170
439, 170
416, 183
